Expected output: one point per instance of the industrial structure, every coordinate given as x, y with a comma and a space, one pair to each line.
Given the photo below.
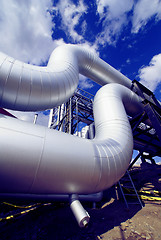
52, 163
78, 110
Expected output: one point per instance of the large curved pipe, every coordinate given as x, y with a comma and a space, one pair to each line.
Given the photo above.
38, 160
25, 87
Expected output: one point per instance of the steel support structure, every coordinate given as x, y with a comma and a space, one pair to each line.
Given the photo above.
77, 111
147, 137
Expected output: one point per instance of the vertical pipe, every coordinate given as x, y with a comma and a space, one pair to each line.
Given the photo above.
77, 115
70, 115
35, 118
79, 212
50, 118
58, 116
62, 111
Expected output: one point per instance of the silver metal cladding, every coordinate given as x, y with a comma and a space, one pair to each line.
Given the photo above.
46, 161
25, 87
38, 160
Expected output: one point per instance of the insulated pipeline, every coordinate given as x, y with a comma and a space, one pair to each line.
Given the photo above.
38, 160
45, 161
25, 87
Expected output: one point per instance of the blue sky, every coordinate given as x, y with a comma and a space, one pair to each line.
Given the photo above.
126, 34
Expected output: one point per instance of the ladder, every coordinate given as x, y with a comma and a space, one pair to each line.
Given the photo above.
129, 191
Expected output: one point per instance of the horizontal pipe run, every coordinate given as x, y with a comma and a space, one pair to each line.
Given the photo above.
25, 87
96, 197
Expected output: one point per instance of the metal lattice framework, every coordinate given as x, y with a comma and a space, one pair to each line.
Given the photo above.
78, 110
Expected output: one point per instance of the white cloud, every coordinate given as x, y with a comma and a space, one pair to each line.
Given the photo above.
85, 83
71, 14
26, 29
115, 8
150, 76
144, 10
114, 16
128, 61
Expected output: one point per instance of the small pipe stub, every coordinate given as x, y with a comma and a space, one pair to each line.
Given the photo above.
79, 212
